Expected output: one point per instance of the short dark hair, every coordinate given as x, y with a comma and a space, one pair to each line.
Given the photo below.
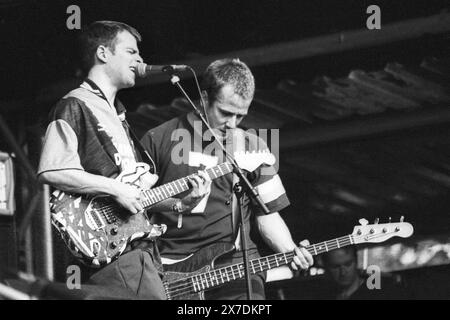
228, 72
101, 33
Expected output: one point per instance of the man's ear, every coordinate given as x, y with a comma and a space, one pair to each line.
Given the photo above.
102, 53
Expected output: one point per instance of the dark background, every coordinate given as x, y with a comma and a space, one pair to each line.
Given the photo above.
38, 49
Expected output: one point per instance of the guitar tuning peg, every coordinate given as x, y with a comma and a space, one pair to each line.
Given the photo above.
363, 222
376, 221
402, 218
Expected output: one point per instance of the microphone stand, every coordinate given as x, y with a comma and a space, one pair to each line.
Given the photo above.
243, 185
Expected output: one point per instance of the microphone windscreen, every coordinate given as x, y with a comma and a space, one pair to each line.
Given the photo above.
141, 69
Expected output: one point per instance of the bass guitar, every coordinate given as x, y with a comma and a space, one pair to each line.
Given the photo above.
188, 279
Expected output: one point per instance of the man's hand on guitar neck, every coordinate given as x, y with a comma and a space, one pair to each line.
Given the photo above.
276, 234
201, 186
128, 196
302, 259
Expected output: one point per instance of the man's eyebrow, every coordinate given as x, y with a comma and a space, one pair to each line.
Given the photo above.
232, 112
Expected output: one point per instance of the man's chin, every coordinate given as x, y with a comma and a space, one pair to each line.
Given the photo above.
130, 80
128, 84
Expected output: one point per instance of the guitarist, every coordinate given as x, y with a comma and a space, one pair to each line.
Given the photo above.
228, 89
87, 144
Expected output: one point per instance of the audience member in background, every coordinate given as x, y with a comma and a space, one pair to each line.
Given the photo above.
350, 283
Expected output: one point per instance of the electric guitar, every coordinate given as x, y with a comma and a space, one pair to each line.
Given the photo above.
188, 279
96, 229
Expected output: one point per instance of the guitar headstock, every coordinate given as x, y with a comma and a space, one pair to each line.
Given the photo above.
252, 160
375, 233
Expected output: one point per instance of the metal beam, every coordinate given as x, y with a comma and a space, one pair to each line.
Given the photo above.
282, 52
332, 43
360, 128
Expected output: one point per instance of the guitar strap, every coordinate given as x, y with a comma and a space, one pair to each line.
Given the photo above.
238, 145
235, 216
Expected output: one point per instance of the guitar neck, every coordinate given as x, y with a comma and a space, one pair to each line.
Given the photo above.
280, 259
155, 195
216, 277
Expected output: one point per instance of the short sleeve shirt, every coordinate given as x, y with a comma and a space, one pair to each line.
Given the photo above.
86, 133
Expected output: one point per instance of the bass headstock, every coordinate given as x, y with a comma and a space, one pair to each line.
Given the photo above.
379, 232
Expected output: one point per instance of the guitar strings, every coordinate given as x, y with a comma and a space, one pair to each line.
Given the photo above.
185, 286
166, 193
210, 171
223, 167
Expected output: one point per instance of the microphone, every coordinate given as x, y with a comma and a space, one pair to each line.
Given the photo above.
145, 70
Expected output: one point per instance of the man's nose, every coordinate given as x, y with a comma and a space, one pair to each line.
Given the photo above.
139, 59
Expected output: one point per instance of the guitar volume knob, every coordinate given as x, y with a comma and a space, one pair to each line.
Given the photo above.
114, 231
113, 245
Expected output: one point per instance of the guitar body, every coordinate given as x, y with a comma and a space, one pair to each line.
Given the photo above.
97, 229
177, 276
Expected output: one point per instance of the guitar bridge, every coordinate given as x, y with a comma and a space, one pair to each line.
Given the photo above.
106, 209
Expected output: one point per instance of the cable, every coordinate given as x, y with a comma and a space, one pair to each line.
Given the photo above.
202, 101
